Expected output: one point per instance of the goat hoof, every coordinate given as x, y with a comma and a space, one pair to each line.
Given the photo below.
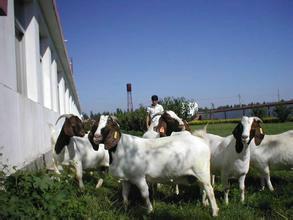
215, 212
205, 203
99, 184
126, 206
150, 211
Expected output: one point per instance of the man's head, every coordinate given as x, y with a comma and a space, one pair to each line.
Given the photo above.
155, 99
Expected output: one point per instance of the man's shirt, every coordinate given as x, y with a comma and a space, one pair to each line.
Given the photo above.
152, 110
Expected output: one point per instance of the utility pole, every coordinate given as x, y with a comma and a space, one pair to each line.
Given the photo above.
212, 108
239, 99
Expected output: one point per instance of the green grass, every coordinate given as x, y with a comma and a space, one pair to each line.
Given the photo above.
41, 195
226, 129
31, 195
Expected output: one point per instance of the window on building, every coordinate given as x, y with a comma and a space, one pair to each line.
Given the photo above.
3, 7
20, 58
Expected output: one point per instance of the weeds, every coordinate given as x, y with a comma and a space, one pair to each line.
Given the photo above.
45, 195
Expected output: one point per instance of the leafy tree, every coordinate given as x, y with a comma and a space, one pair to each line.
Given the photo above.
259, 112
282, 112
91, 115
85, 116
179, 105
132, 121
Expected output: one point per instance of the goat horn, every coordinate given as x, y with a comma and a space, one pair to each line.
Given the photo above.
155, 115
62, 116
115, 119
258, 119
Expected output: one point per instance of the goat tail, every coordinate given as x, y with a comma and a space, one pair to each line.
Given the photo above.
53, 143
53, 135
201, 132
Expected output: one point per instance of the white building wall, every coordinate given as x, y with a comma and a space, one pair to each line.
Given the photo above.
75, 111
7, 49
54, 86
70, 103
46, 68
61, 88
66, 100
25, 134
33, 54
8, 86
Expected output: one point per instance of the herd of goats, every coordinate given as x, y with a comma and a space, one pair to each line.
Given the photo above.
171, 153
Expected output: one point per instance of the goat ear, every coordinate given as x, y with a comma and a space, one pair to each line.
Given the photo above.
239, 146
114, 119
162, 128
112, 138
259, 134
91, 139
237, 132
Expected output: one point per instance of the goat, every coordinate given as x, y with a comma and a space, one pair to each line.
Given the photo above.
274, 152
137, 160
78, 151
82, 156
168, 122
231, 155
72, 126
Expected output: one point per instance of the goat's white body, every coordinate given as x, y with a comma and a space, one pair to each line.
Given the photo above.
80, 149
226, 161
138, 160
275, 152
212, 140
150, 134
58, 159
168, 157
81, 155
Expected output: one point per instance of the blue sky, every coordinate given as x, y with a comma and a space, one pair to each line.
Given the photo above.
209, 51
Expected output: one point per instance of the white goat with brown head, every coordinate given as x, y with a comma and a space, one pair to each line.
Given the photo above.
74, 147
169, 122
181, 157
231, 156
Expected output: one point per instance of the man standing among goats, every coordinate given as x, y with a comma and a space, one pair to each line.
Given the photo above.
152, 110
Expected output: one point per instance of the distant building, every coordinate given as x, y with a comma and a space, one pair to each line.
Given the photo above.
244, 110
36, 81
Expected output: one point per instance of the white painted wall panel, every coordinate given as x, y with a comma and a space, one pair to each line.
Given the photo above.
46, 69
66, 100
32, 48
7, 49
54, 85
61, 88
